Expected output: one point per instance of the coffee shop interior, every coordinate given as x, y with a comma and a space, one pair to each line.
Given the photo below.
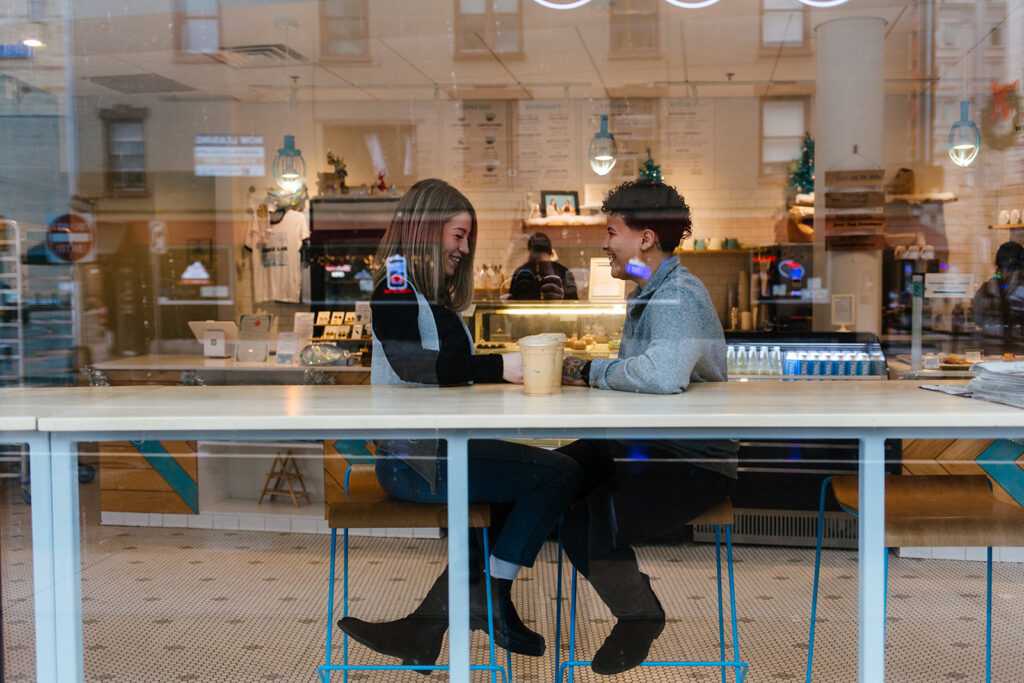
193, 192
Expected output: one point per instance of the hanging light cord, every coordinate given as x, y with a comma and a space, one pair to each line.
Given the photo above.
973, 48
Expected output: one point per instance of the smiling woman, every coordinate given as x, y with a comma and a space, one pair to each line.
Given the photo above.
420, 339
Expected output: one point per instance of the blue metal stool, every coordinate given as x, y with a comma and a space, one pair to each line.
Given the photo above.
367, 505
719, 516
930, 511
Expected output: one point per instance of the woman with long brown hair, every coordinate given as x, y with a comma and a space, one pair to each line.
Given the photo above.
419, 338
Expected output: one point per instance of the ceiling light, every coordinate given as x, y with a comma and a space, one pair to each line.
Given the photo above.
700, 4
572, 4
34, 35
964, 139
289, 166
819, 3
603, 152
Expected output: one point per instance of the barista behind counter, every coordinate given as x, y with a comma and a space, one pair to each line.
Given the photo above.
540, 277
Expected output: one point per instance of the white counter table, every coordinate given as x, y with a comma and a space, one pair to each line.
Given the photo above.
868, 411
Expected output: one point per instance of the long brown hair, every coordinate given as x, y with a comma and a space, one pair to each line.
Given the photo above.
415, 232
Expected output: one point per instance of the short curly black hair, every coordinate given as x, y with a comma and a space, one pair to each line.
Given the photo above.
650, 204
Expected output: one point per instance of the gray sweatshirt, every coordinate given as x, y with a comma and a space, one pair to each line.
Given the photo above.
671, 337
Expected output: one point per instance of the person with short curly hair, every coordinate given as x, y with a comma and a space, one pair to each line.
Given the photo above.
640, 489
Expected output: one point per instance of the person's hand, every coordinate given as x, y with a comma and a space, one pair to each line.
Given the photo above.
551, 288
572, 367
512, 367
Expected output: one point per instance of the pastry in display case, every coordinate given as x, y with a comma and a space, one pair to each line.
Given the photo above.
592, 329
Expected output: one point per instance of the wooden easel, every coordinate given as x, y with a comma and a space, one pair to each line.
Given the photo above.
287, 470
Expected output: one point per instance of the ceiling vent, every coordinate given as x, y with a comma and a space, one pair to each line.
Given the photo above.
135, 84
259, 56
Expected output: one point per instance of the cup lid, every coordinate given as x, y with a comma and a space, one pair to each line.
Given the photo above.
546, 339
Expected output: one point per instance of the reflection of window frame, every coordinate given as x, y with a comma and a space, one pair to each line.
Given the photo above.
491, 21
110, 118
182, 18
773, 48
618, 13
774, 169
325, 38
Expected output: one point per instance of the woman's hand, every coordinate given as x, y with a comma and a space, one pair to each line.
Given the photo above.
512, 367
572, 368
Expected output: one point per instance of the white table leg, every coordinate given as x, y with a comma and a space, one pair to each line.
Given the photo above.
871, 560
42, 558
458, 559
67, 559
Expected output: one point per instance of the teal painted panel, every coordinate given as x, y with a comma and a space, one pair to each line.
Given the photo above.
1000, 462
173, 473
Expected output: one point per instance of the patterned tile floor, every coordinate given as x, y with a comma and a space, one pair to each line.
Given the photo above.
205, 605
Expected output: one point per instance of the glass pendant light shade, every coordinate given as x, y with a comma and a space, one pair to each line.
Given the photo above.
289, 166
603, 151
35, 35
964, 139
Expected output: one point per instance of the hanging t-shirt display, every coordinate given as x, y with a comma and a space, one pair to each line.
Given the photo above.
276, 263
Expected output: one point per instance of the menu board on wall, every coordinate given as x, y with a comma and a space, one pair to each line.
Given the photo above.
687, 152
477, 143
545, 136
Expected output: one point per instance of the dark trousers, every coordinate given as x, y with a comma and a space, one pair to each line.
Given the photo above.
538, 485
628, 501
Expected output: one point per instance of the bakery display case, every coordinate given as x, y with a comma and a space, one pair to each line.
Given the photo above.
593, 328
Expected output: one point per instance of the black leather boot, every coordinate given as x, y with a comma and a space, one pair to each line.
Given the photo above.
509, 630
415, 639
641, 619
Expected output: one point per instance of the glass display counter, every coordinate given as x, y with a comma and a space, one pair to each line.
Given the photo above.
593, 328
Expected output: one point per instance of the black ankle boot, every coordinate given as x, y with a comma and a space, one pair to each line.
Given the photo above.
641, 618
415, 639
509, 630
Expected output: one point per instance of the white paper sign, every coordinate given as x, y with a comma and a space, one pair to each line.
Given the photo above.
949, 285
544, 135
688, 150
287, 348
303, 326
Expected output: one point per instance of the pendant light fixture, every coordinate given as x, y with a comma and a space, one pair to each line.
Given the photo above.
693, 4
289, 166
823, 3
603, 152
964, 139
35, 32
569, 4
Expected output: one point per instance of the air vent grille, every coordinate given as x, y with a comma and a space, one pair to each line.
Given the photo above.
786, 527
257, 56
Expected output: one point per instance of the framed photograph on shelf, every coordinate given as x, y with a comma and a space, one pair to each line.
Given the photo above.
559, 202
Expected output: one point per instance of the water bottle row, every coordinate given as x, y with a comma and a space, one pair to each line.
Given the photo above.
754, 360
751, 360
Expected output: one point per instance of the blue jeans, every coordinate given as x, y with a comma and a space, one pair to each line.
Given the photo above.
540, 485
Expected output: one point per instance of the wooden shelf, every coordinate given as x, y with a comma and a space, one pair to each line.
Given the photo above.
1006, 226
741, 250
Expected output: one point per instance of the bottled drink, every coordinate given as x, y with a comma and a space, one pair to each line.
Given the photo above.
730, 359
792, 363
804, 362
764, 366
775, 361
741, 360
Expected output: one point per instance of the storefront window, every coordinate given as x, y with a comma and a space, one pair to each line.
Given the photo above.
271, 269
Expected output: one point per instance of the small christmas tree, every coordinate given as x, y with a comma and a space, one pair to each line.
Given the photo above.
801, 171
650, 170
